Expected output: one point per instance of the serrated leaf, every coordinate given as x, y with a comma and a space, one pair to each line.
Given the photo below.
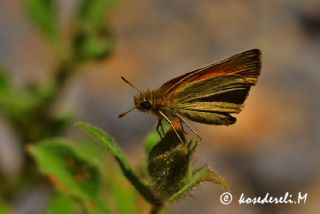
201, 175
120, 157
70, 173
63, 204
43, 14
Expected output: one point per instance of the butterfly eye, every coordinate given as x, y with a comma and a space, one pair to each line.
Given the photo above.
145, 104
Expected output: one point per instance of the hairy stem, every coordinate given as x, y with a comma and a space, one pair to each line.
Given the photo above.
156, 208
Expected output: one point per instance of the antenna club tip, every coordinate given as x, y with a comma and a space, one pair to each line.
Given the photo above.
126, 81
125, 113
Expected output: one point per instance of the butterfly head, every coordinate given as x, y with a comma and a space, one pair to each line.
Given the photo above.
143, 102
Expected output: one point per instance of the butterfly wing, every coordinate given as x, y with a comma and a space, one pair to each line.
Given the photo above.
210, 94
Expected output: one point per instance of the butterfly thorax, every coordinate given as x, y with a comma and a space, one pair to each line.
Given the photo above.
151, 101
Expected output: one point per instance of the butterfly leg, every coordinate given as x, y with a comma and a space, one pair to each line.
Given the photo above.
162, 128
167, 119
181, 123
185, 122
159, 125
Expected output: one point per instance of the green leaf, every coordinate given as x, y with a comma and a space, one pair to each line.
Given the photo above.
63, 204
120, 157
43, 14
123, 195
57, 126
151, 140
94, 153
93, 12
4, 79
107, 141
96, 44
15, 103
201, 175
92, 37
4, 208
70, 173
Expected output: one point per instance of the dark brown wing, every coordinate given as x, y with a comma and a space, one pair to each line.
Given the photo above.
246, 64
210, 94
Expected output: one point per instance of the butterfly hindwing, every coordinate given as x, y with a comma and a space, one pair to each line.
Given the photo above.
212, 118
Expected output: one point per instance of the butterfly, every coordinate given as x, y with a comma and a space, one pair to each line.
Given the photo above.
208, 95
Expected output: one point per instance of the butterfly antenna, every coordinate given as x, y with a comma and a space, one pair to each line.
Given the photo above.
125, 113
129, 83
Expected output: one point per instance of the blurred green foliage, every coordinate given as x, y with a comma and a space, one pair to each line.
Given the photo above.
70, 173
29, 109
63, 204
4, 209
83, 176
92, 38
44, 15
14, 103
92, 12
75, 173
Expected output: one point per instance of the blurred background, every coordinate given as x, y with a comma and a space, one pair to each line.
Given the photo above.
274, 146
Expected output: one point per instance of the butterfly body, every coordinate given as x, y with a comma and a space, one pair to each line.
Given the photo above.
208, 95
154, 102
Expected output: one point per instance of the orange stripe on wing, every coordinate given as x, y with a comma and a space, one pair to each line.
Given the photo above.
210, 74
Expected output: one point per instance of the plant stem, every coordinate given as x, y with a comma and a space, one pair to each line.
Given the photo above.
156, 208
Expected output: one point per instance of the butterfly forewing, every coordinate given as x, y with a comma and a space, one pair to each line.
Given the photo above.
210, 94
246, 64
211, 118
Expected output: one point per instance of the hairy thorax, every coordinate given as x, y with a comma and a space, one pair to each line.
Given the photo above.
153, 102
